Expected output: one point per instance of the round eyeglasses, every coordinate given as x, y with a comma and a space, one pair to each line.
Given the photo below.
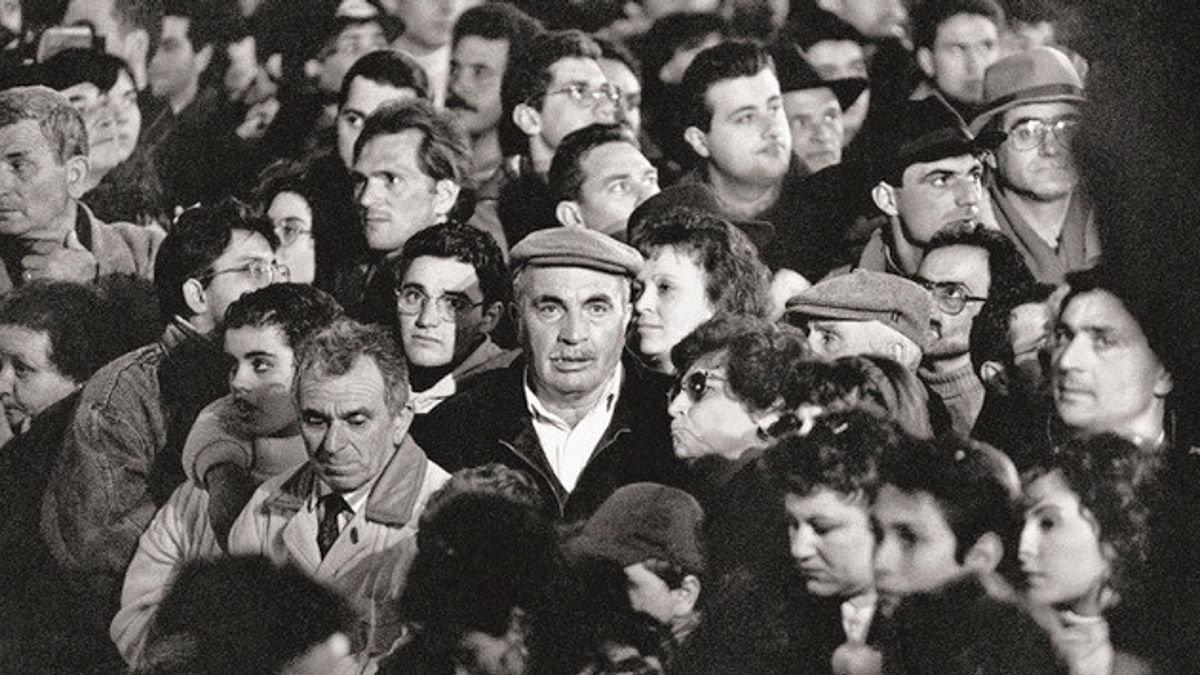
950, 296
1029, 134
411, 302
696, 384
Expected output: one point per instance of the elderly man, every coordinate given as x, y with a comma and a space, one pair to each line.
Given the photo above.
572, 412
865, 312
365, 483
1034, 97
599, 175
46, 232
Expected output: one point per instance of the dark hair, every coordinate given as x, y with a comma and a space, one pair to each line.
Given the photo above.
76, 66
199, 236
528, 77
616, 51
729, 60
565, 176
1006, 266
240, 615
61, 125
1105, 472
822, 27
759, 354
334, 349
929, 15
989, 330
1138, 304
674, 32
840, 453
74, 317
299, 310
209, 23
444, 153
491, 478
466, 244
499, 21
389, 67
962, 478
737, 281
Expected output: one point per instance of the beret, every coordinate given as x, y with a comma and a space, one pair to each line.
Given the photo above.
575, 247
863, 295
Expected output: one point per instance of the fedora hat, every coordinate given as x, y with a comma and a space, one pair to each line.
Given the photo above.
795, 74
931, 130
1036, 75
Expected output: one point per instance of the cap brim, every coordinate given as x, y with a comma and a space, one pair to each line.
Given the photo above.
847, 90
567, 260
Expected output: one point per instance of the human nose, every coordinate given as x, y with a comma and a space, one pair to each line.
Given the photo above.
573, 329
605, 109
679, 404
1069, 356
428, 314
1027, 547
967, 192
239, 380
646, 300
6, 377
368, 192
885, 558
803, 544
335, 436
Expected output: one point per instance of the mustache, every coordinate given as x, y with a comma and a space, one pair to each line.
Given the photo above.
454, 102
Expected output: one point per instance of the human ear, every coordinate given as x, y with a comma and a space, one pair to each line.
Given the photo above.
698, 140
985, 555
994, 375
491, 317
195, 297
77, 173
527, 119
445, 195
568, 214
884, 196
925, 61
687, 595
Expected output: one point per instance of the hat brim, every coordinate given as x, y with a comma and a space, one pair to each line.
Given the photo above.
981, 120
847, 90
949, 147
569, 260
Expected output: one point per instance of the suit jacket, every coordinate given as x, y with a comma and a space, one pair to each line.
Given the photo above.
492, 423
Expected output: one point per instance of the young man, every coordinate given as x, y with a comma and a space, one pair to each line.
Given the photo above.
428, 26
956, 40
600, 176
1034, 97
451, 290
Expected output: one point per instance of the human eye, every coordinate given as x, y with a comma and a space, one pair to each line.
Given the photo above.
549, 311
619, 187
577, 91
743, 118
1104, 340
312, 419
262, 365
357, 420
394, 180
598, 310
664, 287
1047, 523
411, 296
22, 369
352, 118
939, 180
456, 303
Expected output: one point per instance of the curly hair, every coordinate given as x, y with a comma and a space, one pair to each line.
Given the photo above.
466, 244
1105, 472
298, 310
736, 280
75, 318
840, 453
758, 354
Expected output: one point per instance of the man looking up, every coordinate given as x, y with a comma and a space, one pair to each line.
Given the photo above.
1034, 97
571, 411
599, 176
956, 40
45, 231
486, 39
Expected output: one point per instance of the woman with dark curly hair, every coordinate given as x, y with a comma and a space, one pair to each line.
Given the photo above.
697, 266
1083, 545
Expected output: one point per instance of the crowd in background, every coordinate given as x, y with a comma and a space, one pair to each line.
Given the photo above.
542, 337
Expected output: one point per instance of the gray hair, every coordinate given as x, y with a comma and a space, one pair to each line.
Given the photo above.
333, 351
61, 125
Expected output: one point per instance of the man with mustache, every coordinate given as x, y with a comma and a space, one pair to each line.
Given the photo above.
575, 414
1034, 97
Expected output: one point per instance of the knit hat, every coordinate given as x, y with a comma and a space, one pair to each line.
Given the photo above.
863, 295
1036, 75
576, 247
641, 521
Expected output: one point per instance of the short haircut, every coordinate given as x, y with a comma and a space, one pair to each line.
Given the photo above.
199, 236
298, 310
499, 21
1105, 472
840, 453
444, 153
491, 478
759, 354
386, 66
77, 66
1006, 266
616, 51
528, 78
240, 615
333, 350
962, 479
565, 176
74, 317
929, 15
736, 280
61, 125
989, 330
466, 244
729, 60
1136, 301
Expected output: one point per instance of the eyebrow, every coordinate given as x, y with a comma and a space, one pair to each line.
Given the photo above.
1039, 509
259, 353
738, 111
601, 297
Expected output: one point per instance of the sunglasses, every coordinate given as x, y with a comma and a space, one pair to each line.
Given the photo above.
696, 384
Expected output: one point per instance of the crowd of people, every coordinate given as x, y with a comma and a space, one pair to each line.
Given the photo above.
577, 338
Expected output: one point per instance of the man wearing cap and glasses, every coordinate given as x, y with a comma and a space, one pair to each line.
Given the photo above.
575, 414
1034, 97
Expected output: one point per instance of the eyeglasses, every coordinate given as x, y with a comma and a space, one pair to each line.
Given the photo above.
289, 230
950, 296
411, 302
584, 96
259, 270
696, 384
1032, 133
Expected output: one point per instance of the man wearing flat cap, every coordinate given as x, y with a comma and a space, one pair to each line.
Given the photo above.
1034, 97
931, 180
865, 312
572, 412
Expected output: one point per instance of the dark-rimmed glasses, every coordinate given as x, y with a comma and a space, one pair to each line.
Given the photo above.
412, 301
950, 296
696, 384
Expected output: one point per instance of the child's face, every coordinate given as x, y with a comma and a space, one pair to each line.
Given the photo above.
649, 594
914, 549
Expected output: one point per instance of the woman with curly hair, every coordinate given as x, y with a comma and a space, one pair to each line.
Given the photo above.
1083, 544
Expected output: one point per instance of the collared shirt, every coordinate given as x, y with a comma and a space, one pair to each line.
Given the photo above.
567, 448
356, 501
857, 613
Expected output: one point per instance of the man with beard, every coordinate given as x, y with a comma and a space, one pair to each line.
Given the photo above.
238, 441
1034, 97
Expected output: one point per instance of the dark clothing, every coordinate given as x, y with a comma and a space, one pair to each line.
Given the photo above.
201, 159
342, 252
1078, 243
130, 193
492, 423
1014, 425
525, 204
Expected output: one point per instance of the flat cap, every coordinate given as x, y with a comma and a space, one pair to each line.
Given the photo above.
576, 247
863, 295
641, 521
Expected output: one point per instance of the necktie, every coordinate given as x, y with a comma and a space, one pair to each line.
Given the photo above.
327, 530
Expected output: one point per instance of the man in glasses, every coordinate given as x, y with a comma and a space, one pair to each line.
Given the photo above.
962, 268
1034, 97
122, 455
574, 412
451, 290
